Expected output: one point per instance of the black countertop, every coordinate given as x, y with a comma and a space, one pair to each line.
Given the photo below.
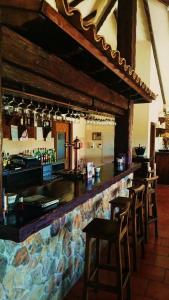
26, 220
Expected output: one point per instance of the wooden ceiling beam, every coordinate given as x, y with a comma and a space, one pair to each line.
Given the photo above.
150, 26
34, 5
60, 92
78, 36
90, 16
14, 48
105, 14
75, 2
126, 30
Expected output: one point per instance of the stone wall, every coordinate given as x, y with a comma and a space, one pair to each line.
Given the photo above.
47, 264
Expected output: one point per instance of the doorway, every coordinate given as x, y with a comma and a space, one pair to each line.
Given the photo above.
62, 133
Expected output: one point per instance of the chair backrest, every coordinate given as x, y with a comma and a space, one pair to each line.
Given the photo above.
136, 195
150, 183
122, 220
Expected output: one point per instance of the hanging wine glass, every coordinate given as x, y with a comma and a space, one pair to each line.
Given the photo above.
50, 116
10, 106
45, 119
20, 112
68, 116
58, 115
29, 112
73, 116
38, 116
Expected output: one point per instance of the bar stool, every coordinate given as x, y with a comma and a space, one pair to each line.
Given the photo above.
115, 231
136, 219
150, 204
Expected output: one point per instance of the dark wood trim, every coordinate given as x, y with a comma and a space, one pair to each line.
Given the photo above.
123, 134
67, 27
61, 92
152, 143
105, 14
75, 2
126, 30
150, 26
28, 79
90, 16
15, 48
34, 5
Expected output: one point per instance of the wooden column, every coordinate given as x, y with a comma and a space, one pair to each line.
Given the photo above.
1, 129
123, 134
126, 44
126, 30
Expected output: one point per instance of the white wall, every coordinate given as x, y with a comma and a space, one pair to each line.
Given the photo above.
15, 147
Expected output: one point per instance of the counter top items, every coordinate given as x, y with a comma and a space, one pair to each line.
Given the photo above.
39, 201
140, 150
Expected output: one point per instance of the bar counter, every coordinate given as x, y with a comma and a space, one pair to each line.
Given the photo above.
26, 220
48, 258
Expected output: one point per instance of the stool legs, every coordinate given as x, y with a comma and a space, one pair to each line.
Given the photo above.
87, 267
127, 266
151, 217
155, 214
119, 270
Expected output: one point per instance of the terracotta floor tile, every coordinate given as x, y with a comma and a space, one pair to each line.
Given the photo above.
157, 260
141, 298
157, 291
157, 249
150, 272
165, 242
166, 278
139, 286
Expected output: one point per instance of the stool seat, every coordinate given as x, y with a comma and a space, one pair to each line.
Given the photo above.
103, 229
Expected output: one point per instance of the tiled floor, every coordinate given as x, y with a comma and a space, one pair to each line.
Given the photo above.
151, 282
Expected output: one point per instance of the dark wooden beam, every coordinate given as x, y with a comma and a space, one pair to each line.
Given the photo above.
126, 30
150, 26
75, 2
123, 134
67, 27
105, 14
28, 79
34, 5
17, 18
15, 48
90, 16
40, 84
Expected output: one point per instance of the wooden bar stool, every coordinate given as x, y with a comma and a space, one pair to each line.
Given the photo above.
136, 219
150, 205
115, 231
137, 231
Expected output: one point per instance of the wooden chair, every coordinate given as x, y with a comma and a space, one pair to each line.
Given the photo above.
150, 205
116, 232
136, 219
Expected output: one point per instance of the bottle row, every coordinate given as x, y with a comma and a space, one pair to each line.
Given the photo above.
42, 154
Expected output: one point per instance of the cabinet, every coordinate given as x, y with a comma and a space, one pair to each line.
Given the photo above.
162, 165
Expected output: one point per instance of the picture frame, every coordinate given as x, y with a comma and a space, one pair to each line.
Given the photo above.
96, 136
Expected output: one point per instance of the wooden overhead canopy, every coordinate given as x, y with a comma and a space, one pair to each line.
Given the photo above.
44, 72
110, 58
80, 46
